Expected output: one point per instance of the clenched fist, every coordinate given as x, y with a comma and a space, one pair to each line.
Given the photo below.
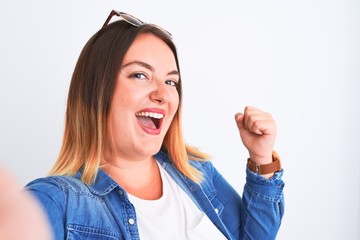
258, 132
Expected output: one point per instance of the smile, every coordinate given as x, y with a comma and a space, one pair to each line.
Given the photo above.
150, 121
150, 114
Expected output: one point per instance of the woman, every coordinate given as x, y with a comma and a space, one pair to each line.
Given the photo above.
124, 170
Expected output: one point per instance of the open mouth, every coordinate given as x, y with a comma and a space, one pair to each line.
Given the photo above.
150, 120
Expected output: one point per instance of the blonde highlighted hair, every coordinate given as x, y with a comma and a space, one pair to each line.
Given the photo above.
89, 100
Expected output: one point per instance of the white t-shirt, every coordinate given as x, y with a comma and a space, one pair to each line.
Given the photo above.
174, 216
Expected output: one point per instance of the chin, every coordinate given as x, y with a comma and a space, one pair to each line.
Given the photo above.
149, 151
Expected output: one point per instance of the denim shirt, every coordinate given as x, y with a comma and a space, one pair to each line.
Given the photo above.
102, 211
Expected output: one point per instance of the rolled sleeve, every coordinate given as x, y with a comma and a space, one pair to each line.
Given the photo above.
263, 206
268, 189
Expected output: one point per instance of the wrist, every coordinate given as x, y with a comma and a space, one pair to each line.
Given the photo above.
265, 167
264, 159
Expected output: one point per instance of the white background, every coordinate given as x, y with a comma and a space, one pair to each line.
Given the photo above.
299, 60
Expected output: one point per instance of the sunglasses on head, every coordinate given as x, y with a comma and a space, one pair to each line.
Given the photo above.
129, 19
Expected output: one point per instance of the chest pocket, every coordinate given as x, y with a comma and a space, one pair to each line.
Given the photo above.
77, 232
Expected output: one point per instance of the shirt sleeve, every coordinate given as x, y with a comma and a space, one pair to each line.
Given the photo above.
50, 196
262, 206
258, 213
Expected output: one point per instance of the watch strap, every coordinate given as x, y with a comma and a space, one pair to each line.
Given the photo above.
265, 168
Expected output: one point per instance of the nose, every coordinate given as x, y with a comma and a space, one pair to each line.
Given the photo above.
160, 93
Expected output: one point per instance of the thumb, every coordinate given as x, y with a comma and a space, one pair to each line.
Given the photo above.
239, 118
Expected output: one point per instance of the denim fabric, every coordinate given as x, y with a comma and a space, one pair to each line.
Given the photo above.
103, 211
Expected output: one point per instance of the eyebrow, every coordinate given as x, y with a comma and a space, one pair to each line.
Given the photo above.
148, 66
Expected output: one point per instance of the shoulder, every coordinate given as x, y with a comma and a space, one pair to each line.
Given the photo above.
205, 167
56, 182
210, 174
56, 187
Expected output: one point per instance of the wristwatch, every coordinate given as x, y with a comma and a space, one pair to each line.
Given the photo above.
265, 168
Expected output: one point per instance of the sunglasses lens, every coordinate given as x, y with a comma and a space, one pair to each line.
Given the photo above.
132, 20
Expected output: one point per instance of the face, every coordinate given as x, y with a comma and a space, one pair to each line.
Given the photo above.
145, 98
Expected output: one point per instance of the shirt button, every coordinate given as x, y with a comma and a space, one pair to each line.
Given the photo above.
131, 221
216, 210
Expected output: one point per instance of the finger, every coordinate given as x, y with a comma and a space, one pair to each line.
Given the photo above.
248, 113
259, 123
239, 118
249, 110
260, 127
253, 123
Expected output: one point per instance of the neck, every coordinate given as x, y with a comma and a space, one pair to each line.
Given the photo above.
140, 178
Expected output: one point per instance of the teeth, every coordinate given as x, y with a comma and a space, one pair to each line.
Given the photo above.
150, 114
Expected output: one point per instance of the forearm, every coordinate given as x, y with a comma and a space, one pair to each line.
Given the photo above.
262, 206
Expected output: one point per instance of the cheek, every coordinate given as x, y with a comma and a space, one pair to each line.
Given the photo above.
125, 100
118, 114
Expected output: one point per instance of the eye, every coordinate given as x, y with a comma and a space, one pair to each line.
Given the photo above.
138, 76
172, 83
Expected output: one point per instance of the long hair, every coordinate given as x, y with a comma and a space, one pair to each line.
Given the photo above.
88, 105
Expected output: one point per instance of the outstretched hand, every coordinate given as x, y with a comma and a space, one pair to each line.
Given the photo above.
258, 132
21, 217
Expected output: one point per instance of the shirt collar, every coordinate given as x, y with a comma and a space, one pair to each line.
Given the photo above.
104, 184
